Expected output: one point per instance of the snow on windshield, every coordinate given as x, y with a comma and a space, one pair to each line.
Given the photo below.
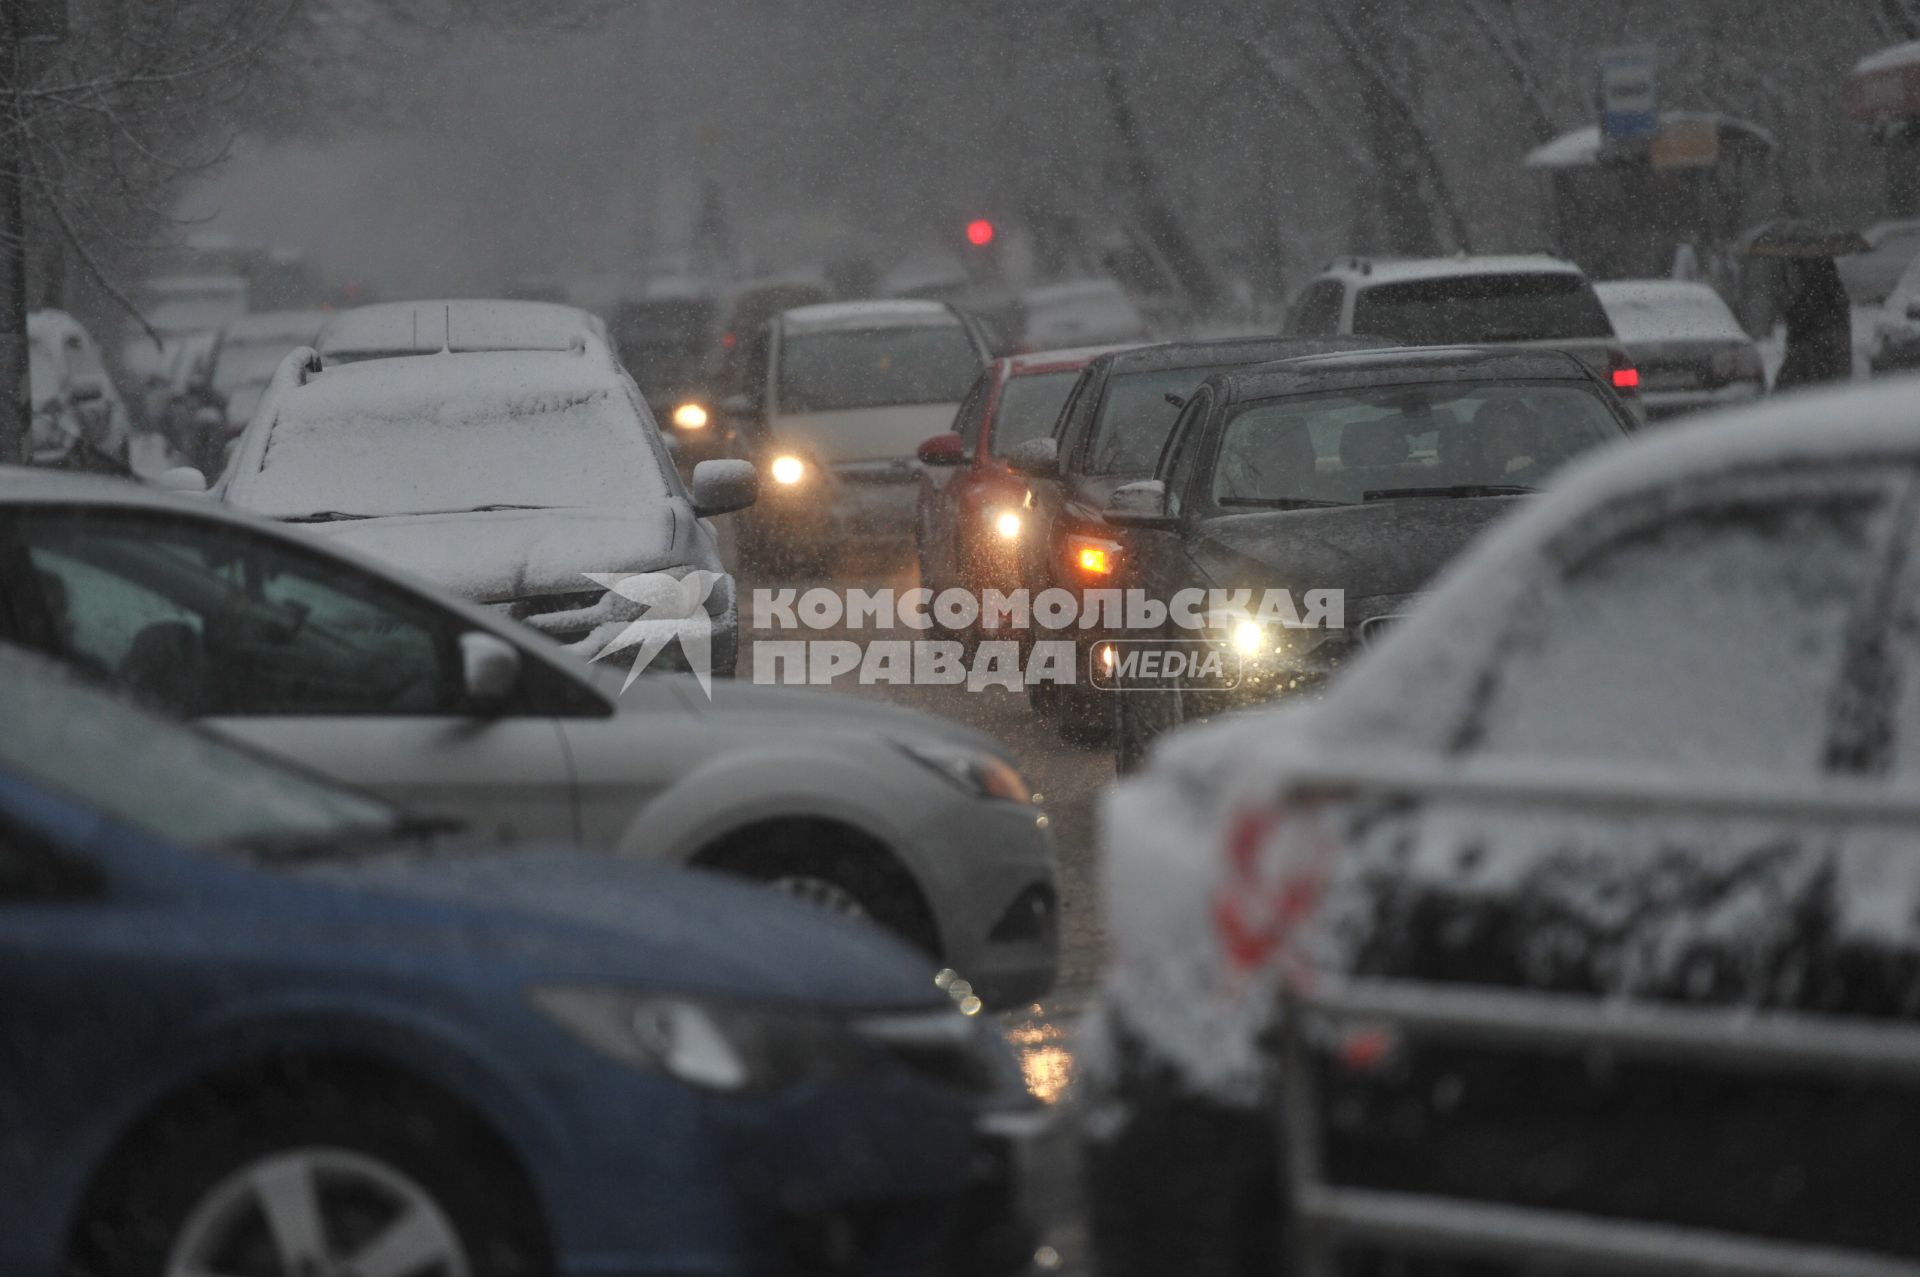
440, 436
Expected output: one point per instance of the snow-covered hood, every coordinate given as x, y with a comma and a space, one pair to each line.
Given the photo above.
864, 434
496, 556
1378, 548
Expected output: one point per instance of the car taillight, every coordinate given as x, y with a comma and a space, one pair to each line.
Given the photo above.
1626, 379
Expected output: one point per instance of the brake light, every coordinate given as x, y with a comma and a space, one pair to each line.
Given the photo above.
1626, 379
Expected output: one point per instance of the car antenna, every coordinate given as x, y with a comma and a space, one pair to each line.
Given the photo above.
416, 330
446, 347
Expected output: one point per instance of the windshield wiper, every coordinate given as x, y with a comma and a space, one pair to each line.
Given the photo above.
324, 516
345, 843
1451, 490
1282, 503
337, 516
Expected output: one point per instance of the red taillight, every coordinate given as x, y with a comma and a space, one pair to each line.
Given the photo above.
1626, 379
729, 340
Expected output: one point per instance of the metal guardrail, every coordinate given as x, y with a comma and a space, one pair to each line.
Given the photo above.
1324, 1215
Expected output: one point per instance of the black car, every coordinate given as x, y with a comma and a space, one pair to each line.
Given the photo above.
1313, 499
1110, 433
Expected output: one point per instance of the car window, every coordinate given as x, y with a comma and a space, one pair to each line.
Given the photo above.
207, 621
1537, 306
1714, 636
1318, 312
1184, 444
1028, 408
1135, 416
840, 370
1405, 441
966, 422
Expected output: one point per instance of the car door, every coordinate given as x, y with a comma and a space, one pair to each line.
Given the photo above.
1043, 542
940, 489
294, 651
1669, 664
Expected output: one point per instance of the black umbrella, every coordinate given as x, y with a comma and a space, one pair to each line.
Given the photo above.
1799, 238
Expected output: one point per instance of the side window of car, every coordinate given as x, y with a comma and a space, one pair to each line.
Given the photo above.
1718, 634
966, 422
1318, 312
203, 620
1177, 459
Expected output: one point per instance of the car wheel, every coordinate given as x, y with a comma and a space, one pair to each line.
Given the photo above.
323, 1181
838, 869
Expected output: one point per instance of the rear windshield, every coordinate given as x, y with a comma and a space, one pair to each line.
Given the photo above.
876, 368
1468, 309
1405, 441
1136, 417
1028, 408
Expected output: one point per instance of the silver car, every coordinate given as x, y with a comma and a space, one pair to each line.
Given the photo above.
312, 651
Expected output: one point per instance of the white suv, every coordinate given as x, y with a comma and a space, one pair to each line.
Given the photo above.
1466, 301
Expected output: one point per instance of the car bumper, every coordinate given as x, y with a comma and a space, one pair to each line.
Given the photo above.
882, 1173
988, 867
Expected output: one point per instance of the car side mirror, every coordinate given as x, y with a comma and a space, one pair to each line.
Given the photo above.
722, 486
1142, 504
489, 670
739, 407
1036, 458
182, 479
942, 450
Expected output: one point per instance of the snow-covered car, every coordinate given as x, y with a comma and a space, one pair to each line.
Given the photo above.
1362, 474
249, 352
1895, 343
1653, 740
385, 330
531, 481
1871, 276
1528, 300
320, 654
840, 396
1685, 343
79, 418
1081, 312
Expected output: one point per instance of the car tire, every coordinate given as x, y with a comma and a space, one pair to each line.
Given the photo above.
849, 880
360, 1159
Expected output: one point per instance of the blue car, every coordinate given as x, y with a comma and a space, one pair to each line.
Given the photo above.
255, 1024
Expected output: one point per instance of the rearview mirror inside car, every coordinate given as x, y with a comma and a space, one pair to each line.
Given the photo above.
1142, 504
489, 670
1036, 458
722, 486
942, 450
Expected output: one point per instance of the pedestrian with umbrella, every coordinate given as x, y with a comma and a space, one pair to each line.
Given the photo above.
1818, 312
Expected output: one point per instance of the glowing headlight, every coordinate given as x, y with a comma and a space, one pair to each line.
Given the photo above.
789, 470
1248, 638
979, 773
1007, 524
690, 416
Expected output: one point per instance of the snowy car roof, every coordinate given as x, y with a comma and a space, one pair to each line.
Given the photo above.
395, 387
469, 324
1398, 364
832, 316
1899, 55
1666, 309
1395, 270
1044, 361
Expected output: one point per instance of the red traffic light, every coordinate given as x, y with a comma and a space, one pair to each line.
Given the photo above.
979, 232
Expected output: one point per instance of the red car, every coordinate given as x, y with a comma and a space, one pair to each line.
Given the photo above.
971, 511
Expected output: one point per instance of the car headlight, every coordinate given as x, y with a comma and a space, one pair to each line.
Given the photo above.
788, 469
975, 771
1248, 638
690, 416
717, 1046
1006, 524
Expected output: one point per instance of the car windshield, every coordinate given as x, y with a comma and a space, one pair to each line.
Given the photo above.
1028, 408
1136, 416
1464, 309
171, 781
1446, 439
535, 448
876, 368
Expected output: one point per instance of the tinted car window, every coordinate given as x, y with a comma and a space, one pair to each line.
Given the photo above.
1713, 638
876, 368
198, 621
1368, 444
1135, 417
1481, 308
